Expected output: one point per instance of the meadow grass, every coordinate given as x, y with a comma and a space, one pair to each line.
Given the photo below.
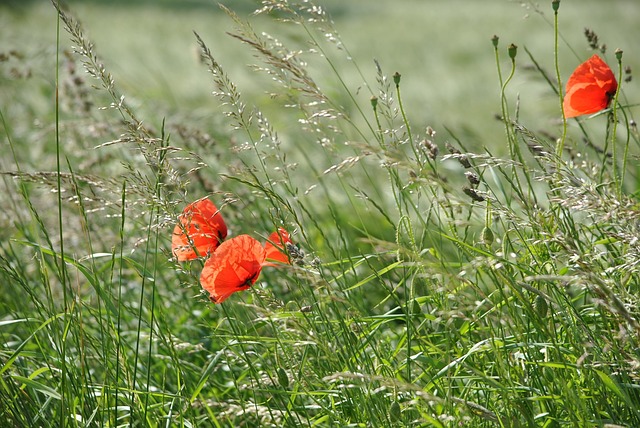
443, 282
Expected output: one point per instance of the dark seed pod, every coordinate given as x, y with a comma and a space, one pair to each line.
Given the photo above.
473, 194
472, 177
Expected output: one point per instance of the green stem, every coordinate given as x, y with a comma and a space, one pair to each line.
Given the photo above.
618, 180
560, 146
396, 79
62, 266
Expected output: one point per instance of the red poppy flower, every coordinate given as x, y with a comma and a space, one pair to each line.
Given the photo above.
199, 231
276, 245
590, 88
236, 264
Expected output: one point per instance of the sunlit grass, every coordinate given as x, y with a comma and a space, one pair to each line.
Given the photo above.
445, 280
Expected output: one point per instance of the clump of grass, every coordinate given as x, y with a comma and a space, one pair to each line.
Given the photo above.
437, 282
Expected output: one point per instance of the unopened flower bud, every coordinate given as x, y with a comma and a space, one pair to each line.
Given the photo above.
487, 236
396, 78
541, 306
374, 102
283, 378
395, 413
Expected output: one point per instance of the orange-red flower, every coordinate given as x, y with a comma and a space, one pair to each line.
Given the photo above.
590, 88
237, 263
199, 231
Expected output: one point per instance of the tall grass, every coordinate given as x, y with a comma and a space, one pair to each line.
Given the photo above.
441, 284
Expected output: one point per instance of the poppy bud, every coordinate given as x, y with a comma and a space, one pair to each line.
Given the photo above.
396, 78
283, 379
487, 236
374, 102
395, 413
415, 308
555, 4
495, 40
513, 50
541, 306
618, 53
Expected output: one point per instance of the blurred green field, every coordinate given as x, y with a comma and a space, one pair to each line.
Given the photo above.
442, 49
456, 269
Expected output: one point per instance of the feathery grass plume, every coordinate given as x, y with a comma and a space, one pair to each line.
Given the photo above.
156, 152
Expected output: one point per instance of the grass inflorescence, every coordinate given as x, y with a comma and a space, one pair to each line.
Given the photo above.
434, 281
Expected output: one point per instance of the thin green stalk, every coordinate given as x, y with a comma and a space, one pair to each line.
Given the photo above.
494, 40
396, 80
618, 180
513, 145
625, 156
409, 296
119, 302
139, 326
514, 149
504, 107
379, 134
62, 266
155, 214
152, 308
560, 146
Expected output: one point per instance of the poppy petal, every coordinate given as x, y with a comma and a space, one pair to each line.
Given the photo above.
199, 231
590, 88
234, 266
275, 246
